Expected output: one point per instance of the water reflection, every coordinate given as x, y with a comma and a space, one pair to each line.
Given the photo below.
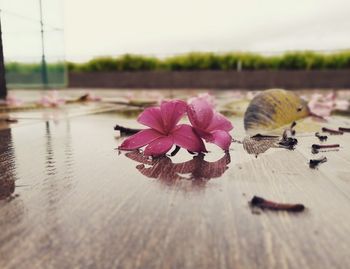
50, 160
12, 207
197, 170
7, 188
59, 160
7, 164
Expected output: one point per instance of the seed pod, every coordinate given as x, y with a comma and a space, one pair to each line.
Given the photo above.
274, 108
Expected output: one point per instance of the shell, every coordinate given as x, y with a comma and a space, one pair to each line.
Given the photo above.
272, 109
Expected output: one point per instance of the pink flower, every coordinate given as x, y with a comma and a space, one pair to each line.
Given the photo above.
164, 131
52, 100
322, 106
209, 124
206, 96
12, 100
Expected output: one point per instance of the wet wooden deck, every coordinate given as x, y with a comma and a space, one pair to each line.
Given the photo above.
70, 200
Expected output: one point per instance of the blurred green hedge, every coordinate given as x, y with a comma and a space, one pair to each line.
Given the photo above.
205, 61
27, 68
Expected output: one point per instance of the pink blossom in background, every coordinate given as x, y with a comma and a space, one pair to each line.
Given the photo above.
145, 95
210, 99
342, 104
209, 124
164, 131
52, 99
12, 100
322, 106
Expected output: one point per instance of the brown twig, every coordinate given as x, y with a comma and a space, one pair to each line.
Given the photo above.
124, 131
11, 120
315, 147
175, 151
331, 131
292, 130
343, 129
260, 136
266, 204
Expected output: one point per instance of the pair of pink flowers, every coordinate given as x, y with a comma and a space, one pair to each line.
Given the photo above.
164, 131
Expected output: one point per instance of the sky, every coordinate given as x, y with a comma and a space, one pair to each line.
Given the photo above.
164, 28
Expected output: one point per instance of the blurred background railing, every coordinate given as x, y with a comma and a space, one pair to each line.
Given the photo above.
34, 46
33, 43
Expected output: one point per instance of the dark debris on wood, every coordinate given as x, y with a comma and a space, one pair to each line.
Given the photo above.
344, 130
322, 138
124, 131
332, 131
316, 162
316, 148
271, 205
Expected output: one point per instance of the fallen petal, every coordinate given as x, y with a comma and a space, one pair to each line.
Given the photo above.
220, 122
322, 105
320, 109
206, 96
200, 113
159, 146
221, 138
140, 139
152, 118
185, 137
172, 112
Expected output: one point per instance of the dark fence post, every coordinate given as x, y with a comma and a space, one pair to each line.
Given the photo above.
3, 89
43, 60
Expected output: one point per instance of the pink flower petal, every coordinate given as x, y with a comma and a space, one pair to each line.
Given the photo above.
159, 146
321, 106
321, 110
12, 100
342, 104
52, 99
221, 138
200, 113
172, 112
220, 122
58, 102
185, 137
330, 97
152, 118
206, 96
140, 139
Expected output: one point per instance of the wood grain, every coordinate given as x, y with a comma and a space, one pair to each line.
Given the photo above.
78, 203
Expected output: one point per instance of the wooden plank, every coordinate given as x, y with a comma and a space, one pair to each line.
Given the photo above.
81, 204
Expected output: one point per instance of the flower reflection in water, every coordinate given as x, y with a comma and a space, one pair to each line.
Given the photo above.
197, 170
